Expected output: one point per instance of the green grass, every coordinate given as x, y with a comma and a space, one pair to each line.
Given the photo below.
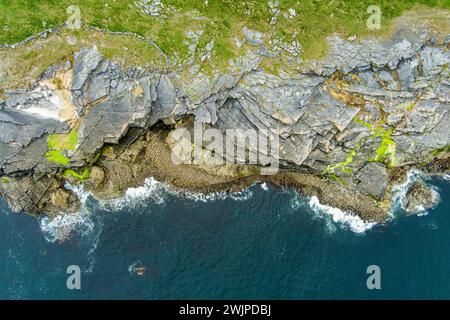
27, 63
221, 20
80, 177
59, 144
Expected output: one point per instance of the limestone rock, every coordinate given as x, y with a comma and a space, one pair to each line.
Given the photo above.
319, 112
373, 180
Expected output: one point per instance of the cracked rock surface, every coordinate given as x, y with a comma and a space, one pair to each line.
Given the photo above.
333, 116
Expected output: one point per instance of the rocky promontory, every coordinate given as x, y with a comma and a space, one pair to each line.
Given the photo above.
349, 125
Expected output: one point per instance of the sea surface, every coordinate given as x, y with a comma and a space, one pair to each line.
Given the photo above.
261, 243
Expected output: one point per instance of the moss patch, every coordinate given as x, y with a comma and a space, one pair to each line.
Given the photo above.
342, 166
59, 144
57, 157
408, 106
63, 141
439, 151
385, 152
68, 173
5, 180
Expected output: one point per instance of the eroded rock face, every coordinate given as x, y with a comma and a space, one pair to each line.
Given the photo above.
420, 198
38, 194
367, 102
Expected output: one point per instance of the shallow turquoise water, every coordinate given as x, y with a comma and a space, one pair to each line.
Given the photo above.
264, 243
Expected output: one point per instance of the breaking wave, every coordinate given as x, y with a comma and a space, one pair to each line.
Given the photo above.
339, 217
399, 191
61, 227
135, 197
333, 218
81, 223
158, 192
264, 186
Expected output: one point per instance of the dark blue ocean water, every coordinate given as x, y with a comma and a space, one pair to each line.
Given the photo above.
261, 244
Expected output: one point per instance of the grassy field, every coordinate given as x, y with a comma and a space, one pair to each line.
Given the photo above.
220, 19
18, 67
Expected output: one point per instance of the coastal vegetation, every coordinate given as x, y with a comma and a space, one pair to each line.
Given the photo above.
307, 22
70, 173
59, 145
5, 180
385, 152
342, 166
439, 151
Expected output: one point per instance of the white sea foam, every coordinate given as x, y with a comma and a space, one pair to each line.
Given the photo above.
264, 186
152, 189
339, 217
296, 201
132, 267
399, 191
157, 192
201, 197
62, 226
242, 195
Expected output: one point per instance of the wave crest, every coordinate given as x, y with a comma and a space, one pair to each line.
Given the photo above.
64, 225
134, 197
158, 192
61, 227
342, 218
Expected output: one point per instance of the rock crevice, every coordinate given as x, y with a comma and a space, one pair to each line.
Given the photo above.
351, 118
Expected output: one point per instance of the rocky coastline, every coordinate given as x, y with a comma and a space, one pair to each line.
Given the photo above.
350, 125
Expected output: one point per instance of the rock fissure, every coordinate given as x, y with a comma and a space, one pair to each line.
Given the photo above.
356, 115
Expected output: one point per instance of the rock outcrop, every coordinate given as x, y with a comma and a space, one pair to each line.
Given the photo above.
420, 198
350, 118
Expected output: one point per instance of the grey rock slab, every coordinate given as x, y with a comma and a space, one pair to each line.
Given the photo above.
373, 180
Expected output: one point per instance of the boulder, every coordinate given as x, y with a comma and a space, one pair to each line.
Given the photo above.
373, 180
96, 177
420, 198
60, 199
